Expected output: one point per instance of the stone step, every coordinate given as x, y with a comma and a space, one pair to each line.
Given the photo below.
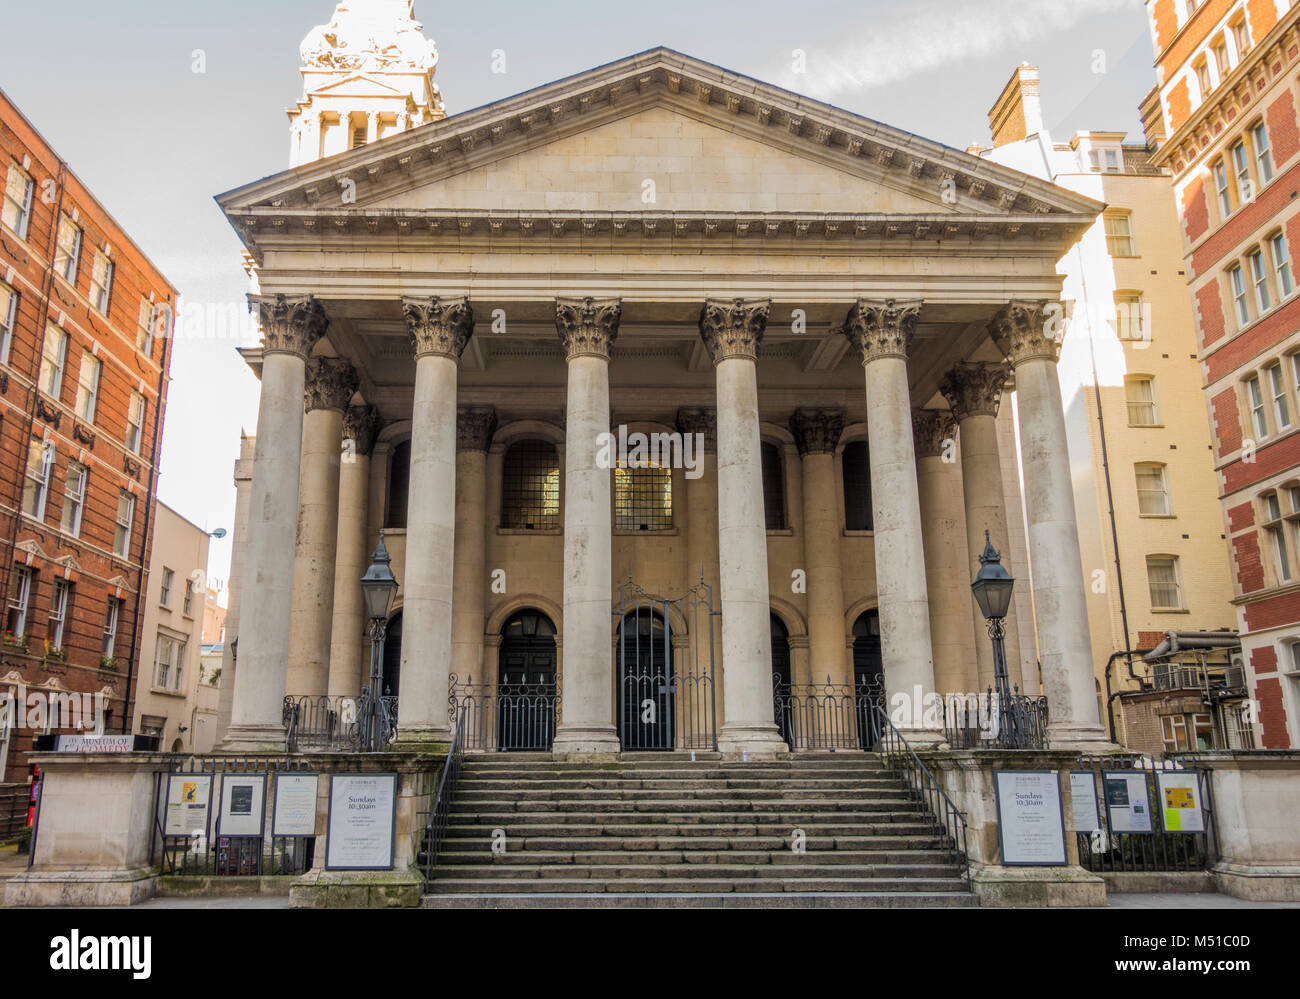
716, 794
783, 821
635, 782
776, 857
679, 872
712, 831
440, 886
706, 900
684, 806
507, 764
724, 844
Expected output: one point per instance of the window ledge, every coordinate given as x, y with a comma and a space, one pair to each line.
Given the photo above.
1146, 426
1170, 610
554, 532
780, 532
1157, 516
165, 692
857, 534
623, 532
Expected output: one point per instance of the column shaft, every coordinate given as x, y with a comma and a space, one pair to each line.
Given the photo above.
349, 649
469, 572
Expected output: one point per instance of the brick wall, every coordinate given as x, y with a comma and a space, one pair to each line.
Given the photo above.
1250, 569
1227, 421
1209, 313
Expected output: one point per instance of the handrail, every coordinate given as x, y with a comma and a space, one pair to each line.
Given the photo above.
900, 757
440, 811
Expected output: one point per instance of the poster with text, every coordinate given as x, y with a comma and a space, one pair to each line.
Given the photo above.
188, 799
243, 797
361, 822
295, 805
1128, 805
1031, 820
1180, 801
1083, 801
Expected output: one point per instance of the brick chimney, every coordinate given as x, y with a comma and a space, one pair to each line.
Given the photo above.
1017, 113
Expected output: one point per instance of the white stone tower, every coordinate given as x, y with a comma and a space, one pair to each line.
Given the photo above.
365, 75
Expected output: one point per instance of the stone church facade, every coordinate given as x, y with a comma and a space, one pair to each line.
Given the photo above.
824, 318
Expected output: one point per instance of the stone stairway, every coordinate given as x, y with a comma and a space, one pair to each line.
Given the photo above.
660, 831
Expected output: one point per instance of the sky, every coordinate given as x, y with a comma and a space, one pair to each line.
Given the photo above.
159, 105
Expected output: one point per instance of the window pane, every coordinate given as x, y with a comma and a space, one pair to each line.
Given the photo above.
1142, 403
857, 487
1153, 495
643, 499
773, 487
1162, 576
530, 487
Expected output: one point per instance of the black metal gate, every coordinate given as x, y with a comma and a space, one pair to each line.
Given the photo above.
665, 670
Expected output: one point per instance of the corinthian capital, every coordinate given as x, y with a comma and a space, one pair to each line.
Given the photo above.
1026, 330
817, 431
331, 382
733, 327
882, 328
439, 327
289, 325
931, 430
700, 420
475, 426
974, 389
361, 427
588, 326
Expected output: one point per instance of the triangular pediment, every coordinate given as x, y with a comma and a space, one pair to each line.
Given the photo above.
722, 143
358, 85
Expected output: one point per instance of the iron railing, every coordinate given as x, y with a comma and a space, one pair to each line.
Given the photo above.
505, 716
14, 801
666, 687
333, 724
202, 852
440, 811
949, 820
987, 721
827, 715
1107, 851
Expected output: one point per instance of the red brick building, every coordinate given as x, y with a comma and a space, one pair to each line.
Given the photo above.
85, 343
1224, 116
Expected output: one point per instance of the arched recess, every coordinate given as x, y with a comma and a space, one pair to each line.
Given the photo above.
790, 617
669, 455
853, 433
504, 611
507, 435
391, 441
856, 610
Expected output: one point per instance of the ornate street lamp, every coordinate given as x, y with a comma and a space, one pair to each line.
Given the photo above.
378, 587
992, 588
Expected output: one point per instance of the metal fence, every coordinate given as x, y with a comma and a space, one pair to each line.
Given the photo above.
827, 715
987, 721
14, 800
335, 724
898, 757
505, 716
202, 850
440, 811
1123, 803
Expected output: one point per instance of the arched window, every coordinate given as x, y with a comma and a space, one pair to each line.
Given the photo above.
643, 499
857, 487
774, 486
399, 484
530, 487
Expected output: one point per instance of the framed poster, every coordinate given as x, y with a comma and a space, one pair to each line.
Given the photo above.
243, 799
1031, 817
1128, 805
362, 825
295, 805
1180, 801
188, 800
1083, 801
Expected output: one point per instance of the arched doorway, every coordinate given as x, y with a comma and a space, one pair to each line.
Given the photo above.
392, 667
782, 679
868, 675
526, 682
646, 701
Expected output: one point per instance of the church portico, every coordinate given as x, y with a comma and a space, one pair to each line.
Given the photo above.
819, 345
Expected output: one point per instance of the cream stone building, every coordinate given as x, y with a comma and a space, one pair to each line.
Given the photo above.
174, 698
1150, 526
820, 316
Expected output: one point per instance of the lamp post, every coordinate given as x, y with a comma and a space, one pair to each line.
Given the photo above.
992, 588
378, 587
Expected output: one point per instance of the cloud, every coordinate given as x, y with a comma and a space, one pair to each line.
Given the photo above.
934, 36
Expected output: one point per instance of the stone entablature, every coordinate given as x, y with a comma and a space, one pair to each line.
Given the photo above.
733, 327
289, 325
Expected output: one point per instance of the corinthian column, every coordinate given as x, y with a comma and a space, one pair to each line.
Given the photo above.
732, 330
817, 433
882, 331
933, 435
290, 328
331, 383
587, 328
474, 429
439, 329
1028, 333
348, 634
974, 391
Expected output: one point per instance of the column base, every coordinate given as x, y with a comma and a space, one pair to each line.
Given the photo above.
422, 739
596, 741
924, 738
751, 742
93, 888
1084, 738
253, 739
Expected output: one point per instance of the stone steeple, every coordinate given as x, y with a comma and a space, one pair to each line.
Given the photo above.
366, 75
